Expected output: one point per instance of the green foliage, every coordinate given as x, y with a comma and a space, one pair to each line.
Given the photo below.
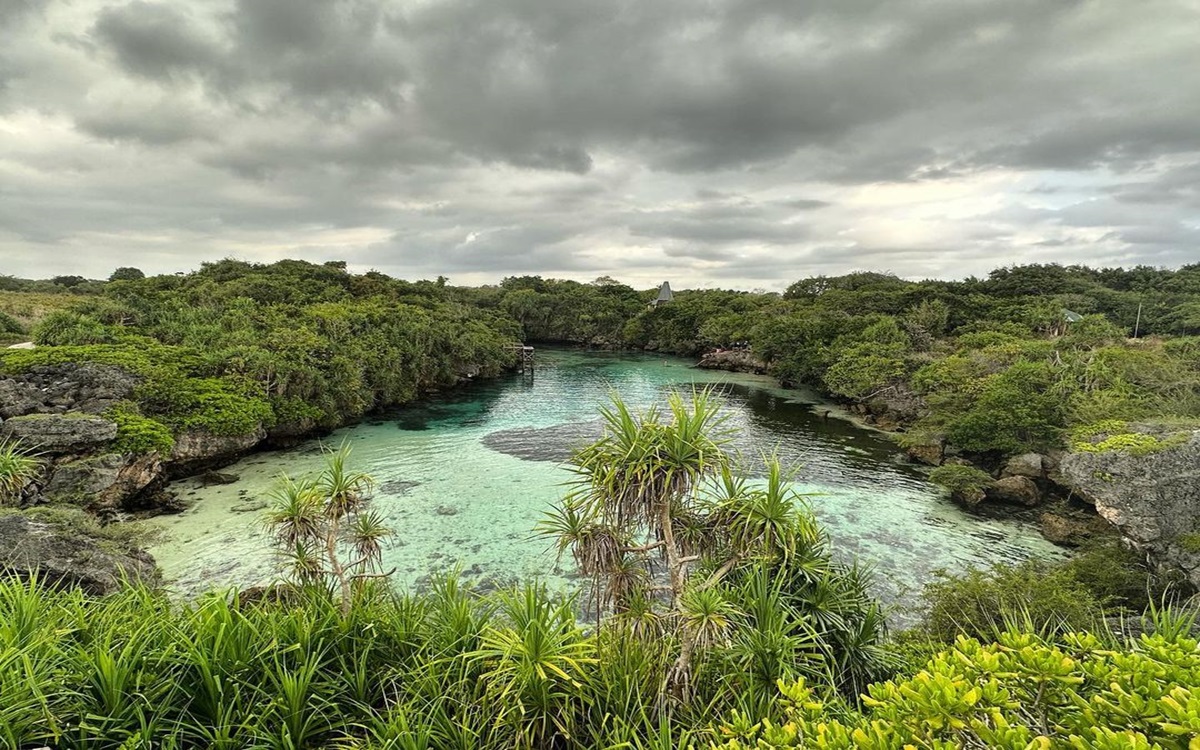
1190, 543
961, 478
1033, 596
1015, 412
139, 434
1115, 435
9, 324
765, 594
126, 273
869, 360
317, 521
66, 328
1118, 577
1076, 691
17, 469
237, 348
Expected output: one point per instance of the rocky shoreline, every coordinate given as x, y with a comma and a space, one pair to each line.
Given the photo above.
1141, 484
65, 415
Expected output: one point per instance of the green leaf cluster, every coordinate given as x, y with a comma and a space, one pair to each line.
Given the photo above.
1021, 692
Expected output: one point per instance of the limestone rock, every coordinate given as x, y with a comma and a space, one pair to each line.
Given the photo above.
896, 406
59, 434
18, 398
1032, 465
732, 360
104, 483
930, 454
62, 553
1153, 499
197, 449
1019, 490
1069, 530
50, 389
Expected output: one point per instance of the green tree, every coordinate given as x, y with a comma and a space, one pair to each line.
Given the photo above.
315, 522
126, 273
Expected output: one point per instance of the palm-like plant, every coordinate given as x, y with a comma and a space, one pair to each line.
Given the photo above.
315, 522
534, 665
17, 469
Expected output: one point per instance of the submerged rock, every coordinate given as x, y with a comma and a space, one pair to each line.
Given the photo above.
56, 550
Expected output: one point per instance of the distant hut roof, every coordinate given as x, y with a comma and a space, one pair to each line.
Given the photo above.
664, 293
1071, 316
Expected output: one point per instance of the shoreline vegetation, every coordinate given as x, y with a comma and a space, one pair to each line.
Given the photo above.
1072, 389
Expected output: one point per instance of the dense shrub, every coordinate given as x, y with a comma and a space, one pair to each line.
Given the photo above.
1076, 691
961, 478
1034, 595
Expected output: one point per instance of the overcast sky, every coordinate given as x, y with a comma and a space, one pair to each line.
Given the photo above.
734, 143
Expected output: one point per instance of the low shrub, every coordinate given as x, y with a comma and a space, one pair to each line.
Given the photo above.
1022, 692
961, 478
1033, 595
139, 434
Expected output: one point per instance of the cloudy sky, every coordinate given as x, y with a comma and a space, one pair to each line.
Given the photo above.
738, 143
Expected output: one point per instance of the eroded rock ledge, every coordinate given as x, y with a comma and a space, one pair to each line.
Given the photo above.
60, 551
1152, 496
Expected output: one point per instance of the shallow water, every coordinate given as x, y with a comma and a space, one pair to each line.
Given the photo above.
463, 480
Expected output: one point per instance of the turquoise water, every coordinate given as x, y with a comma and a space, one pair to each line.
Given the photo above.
463, 480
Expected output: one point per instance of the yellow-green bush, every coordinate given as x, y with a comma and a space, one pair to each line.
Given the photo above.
1019, 693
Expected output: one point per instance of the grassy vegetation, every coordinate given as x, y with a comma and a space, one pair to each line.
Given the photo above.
961, 478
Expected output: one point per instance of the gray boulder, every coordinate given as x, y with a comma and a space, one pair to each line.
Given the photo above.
1032, 465
66, 553
59, 434
196, 450
1151, 497
732, 360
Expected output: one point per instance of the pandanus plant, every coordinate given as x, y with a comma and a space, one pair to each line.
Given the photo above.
324, 531
663, 483
17, 469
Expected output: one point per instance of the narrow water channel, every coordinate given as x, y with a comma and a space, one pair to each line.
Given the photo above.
464, 478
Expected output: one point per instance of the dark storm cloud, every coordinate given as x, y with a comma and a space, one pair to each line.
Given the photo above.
717, 140
155, 40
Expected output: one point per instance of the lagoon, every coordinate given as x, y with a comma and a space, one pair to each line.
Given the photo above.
464, 477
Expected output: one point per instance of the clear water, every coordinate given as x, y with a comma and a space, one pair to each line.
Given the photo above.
463, 480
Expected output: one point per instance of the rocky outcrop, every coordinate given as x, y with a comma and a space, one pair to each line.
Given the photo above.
1073, 528
1151, 496
103, 483
59, 434
732, 360
894, 407
66, 554
198, 450
56, 389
